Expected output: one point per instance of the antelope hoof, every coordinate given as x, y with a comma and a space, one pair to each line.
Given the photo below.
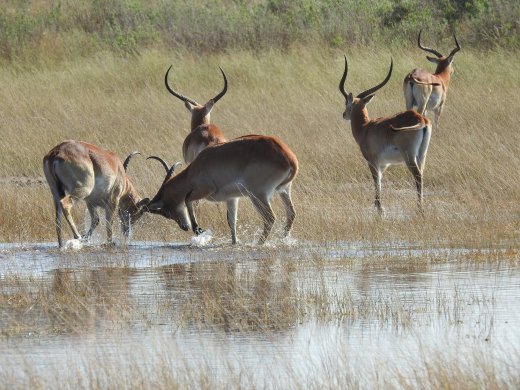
198, 231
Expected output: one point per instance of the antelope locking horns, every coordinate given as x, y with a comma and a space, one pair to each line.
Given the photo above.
128, 158
169, 170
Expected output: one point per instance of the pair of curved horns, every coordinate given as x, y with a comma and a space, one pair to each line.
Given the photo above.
169, 170
369, 91
433, 51
128, 158
187, 99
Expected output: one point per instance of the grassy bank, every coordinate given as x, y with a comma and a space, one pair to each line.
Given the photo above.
471, 185
56, 30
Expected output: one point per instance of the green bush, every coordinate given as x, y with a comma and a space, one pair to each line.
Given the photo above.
33, 28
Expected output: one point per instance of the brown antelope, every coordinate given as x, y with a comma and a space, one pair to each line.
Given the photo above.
202, 132
425, 90
254, 166
77, 170
399, 139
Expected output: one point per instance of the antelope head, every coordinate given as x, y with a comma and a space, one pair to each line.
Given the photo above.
442, 62
357, 104
200, 114
169, 202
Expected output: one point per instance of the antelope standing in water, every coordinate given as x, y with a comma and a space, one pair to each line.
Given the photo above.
78, 170
427, 91
399, 139
254, 166
203, 133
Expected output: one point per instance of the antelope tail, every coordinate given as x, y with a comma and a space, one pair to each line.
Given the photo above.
414, 80
423, 149
418, 126
54, 182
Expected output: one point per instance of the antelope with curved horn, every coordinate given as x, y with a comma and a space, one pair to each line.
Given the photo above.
169, 169
78, 170
254, 166
399, 139
427, 91
202, 132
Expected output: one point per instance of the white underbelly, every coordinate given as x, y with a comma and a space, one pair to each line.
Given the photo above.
390, 156
230, 191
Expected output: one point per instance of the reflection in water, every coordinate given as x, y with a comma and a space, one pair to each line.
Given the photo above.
272, 313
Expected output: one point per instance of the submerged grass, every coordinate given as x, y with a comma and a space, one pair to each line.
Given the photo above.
266, 295
128, 328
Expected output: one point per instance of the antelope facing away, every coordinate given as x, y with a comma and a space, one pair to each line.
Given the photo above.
425, 90
202, 132
254, 166
77, 170
399, 139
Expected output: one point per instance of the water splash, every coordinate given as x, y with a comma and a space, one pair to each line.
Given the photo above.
290, 241
73, 244
202, 239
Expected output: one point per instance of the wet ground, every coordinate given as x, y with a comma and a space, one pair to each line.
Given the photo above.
276, 313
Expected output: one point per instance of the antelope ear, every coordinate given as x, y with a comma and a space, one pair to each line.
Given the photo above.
155, 206
189, 106
208, 107
433, 59
350, 98
367, 99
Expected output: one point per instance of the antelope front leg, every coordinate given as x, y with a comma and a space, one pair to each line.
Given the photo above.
109, 217
193, 219
94, 221
437, 116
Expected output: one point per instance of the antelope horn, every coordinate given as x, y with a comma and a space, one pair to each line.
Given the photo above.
224, 90
174, 93
373, 90
433, 51
164, 164
172, 169
457, 48
128, 158
342, 81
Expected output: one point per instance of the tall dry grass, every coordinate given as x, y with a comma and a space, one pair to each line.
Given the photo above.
471, 185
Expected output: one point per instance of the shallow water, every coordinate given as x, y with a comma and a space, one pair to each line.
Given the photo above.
278, 313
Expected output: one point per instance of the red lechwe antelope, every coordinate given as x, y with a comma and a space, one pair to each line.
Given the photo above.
202, 132
425, 90
77, 170
399, 139
254, 166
